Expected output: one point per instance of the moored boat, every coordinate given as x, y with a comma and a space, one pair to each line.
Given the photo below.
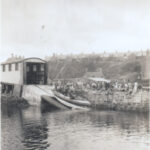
79, 102
60, 103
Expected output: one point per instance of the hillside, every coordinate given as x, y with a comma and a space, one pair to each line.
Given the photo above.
113, 68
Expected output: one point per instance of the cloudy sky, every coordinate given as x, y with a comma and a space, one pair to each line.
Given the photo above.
42, 27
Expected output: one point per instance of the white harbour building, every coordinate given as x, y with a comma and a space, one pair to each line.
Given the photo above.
19, 72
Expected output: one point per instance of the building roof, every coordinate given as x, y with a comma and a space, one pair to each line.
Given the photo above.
99, 79
19, 60
98, 74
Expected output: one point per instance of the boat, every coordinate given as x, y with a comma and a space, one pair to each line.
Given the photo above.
59, 101
79, 102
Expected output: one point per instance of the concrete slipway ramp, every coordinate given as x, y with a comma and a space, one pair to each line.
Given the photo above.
34, 94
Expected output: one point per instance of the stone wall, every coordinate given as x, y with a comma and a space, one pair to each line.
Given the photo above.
120, 100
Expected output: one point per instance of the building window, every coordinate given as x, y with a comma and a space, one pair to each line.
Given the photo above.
9, 66
42, 67
34, 68
16, 66
3, 68
28, 69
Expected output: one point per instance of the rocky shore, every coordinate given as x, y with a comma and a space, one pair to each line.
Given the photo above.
13, 101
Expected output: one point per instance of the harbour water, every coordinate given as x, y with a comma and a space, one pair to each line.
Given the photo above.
31, 129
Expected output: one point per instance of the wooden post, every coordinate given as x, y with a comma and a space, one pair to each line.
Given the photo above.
24, 73
141, 96
45, 73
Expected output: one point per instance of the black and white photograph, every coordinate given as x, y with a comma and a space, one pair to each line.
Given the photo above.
75, 75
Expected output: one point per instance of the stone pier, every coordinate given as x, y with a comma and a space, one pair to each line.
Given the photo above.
120, 100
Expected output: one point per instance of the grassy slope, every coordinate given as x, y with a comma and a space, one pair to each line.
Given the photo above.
113, 68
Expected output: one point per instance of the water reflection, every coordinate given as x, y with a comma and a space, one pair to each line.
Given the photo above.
35, 130
74, 130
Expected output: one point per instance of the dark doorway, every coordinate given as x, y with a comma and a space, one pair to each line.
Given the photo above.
35, 73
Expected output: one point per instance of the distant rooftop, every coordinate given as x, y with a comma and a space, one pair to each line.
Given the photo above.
99, 79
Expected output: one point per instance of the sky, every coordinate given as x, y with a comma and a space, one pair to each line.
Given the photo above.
42, 27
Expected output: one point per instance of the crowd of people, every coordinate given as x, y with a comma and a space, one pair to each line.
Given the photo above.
72, 88
67, 88
127, 86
